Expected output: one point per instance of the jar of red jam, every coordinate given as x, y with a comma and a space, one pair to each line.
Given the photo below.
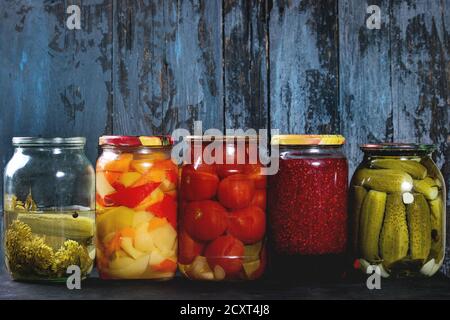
222, 210
308, 206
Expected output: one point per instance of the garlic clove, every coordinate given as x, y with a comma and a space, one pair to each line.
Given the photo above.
427, 268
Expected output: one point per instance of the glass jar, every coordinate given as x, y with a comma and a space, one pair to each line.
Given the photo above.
308, 206
136, 208
48, 222
223, 210
398, 210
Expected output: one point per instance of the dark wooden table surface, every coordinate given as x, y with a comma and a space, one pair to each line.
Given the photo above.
180, 289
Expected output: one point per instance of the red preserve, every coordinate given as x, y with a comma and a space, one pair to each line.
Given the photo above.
308, 205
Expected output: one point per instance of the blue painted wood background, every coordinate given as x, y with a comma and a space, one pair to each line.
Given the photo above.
303, 66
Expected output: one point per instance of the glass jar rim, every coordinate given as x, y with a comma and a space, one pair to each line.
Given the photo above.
45, 142
397, 147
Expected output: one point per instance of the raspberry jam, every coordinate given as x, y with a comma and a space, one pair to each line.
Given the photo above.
308, 207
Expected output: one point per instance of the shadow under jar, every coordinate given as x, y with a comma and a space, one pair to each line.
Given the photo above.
48, 209
222, 210
308, 207
136, 208
398, 210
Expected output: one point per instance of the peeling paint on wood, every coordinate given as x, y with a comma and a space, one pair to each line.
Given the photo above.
54, 81
364, 78
167, 66
245, 64
420, 34
304, 66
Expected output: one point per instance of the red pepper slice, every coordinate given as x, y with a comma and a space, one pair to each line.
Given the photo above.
172, 176
118, 186
132, 196
166, 266
167, 208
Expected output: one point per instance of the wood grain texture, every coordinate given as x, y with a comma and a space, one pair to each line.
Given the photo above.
54, 81
420, 35
364, 78
245, 64
304, 66
167, 66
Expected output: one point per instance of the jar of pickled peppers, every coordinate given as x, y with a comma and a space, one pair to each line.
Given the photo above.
48, 216
222, 211
398, 210
308, 207
136, 208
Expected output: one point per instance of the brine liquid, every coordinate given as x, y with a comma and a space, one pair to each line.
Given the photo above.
54, 231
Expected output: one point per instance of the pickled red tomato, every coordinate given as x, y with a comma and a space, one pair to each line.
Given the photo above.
204, 220
188, 248
226, 170
247, 225
236, 191
198, 185
229, 163
308, 206
226, 252
253, 171
260, 199
200, 167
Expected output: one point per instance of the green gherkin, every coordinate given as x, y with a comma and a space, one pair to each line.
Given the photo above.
394, 238
413, 168
358, 195
386, 180
427, 187
372, 212
437, 230
419, 223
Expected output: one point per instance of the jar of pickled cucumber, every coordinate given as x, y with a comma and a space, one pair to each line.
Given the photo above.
48, 221
398, 210
136, 208
222, 210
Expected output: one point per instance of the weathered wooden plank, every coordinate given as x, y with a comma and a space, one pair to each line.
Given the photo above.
195, 56
167, 66
365, 104
54, 81
420, 33
245, 64
304, 66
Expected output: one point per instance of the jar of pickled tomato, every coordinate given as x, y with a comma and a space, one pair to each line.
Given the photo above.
308, 206
222, 211
398, 210
136, 208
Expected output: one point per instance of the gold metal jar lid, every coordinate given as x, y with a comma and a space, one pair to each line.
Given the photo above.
308, 139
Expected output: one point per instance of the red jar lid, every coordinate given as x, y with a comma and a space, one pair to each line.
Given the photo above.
136, 141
